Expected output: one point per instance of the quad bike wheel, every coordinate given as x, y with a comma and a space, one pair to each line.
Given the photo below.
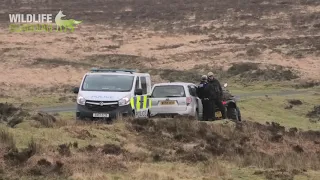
233, 114
196, 116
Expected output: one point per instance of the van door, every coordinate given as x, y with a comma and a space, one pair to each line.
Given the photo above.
149, 84
136, 85
144, 85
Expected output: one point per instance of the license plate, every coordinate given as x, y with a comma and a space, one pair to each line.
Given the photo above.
100, 115
167, 102
218, 114
142, 113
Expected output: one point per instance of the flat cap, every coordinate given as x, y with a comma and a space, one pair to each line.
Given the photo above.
210, 74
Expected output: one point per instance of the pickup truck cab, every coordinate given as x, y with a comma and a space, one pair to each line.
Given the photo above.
106, 93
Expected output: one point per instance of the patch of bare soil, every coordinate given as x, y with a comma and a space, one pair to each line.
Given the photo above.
46, 168
12, 115
102, 60
281, 174
308, 84
15, 157
112, 149
295, 102
314, 115
253, 72
108, 149
45, 119
80, 133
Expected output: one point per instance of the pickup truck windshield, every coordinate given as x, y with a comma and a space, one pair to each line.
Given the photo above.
168, 91
114, 83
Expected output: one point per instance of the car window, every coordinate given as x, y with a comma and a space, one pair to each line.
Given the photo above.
143, 85
102, 82
192, 90
168, 91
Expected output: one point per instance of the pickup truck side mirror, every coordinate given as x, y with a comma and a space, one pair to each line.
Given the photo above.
138, 92
76, 90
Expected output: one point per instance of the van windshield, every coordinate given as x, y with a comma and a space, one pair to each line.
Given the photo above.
168, 91
103, 82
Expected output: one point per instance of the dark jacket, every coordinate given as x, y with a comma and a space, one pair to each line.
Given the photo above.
205, 91
217, 92
201, 88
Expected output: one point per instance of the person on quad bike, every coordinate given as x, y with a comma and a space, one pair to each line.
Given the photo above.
204, 94
217, 95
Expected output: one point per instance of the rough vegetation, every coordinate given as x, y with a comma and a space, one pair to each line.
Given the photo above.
246, 144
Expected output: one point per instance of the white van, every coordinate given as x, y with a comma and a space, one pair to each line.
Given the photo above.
105, 93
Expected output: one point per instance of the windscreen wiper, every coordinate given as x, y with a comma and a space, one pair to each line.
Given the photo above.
174, 96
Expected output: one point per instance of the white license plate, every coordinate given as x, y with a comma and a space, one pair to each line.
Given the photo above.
100, 115
142, 113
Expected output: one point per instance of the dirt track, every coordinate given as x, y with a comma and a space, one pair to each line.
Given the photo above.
72, 108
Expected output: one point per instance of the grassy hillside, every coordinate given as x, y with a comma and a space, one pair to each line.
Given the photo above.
157, 149
258, 47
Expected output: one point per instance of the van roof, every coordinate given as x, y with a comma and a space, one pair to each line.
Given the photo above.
116, 71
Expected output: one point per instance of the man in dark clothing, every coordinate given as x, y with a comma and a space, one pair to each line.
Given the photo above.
217, 95
201, 86
203, 93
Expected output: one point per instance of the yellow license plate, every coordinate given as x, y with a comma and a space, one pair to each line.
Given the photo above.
167, 102
218, 114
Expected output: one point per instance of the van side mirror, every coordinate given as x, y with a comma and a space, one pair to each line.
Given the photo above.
138, 92
76, 90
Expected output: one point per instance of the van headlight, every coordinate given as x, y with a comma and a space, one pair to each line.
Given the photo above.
124, 101
81, 100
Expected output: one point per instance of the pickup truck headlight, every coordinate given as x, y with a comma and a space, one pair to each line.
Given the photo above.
81, 100
124, 101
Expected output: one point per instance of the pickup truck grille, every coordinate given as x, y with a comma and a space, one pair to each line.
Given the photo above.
95, 106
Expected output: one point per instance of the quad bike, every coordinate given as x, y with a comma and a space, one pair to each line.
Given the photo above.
229, 102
